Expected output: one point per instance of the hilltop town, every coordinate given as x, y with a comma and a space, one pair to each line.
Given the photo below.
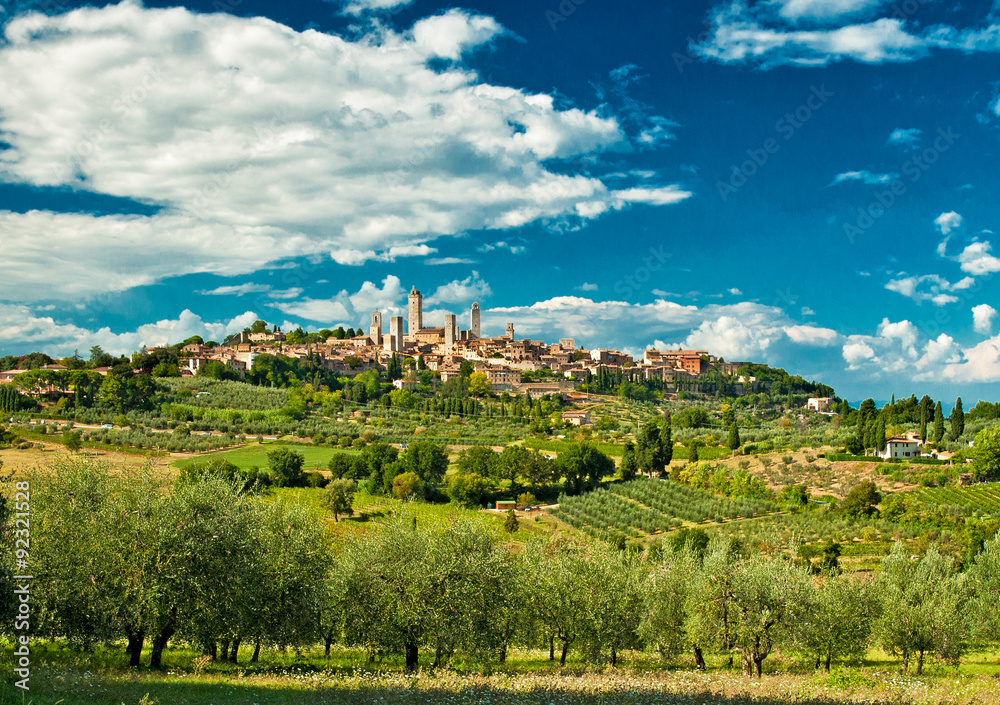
443, 349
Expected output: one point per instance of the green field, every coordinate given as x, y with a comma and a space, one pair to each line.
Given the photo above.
255, 454
65, 676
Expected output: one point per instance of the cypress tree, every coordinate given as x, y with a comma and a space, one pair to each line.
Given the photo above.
938, 424
957, 420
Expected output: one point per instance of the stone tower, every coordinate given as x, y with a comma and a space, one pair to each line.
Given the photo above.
450, 327
416, 313
396, 333
510, 331
474, 326
376, 330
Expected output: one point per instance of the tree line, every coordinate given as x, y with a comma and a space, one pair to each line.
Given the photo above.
121, 558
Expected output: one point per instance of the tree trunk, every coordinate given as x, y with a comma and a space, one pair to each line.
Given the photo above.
826, 664
233, 655
614, 656
552, 647
411, 657
819, 660
747, 663
699, 659
134, 648
758, 666
327, 643
565, 650
224, 650
211, 649
920, 662
906, 662
159, 644
256, 652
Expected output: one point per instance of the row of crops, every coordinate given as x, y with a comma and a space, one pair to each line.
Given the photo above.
645, 506
689, 503
984, 498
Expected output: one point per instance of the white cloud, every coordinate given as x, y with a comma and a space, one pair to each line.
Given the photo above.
735, 292
472, 288
435, 261
280, 143
909, 137
738, 36
865, 176
73, 256
449, 35
20, 325
250, 288
360, 7
372, 298
946, 222
819, 32
825, 9
587, 287
324, 311
514, 249
857, 352
237, 290
929, 287
979, 364
977, 259
983, 316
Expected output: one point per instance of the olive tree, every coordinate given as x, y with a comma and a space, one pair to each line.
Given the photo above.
926, 606
840, 619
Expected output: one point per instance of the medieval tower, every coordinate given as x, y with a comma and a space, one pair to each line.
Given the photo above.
416, 313
376, 330
474, 326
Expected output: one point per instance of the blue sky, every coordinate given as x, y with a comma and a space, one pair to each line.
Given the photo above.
808, 183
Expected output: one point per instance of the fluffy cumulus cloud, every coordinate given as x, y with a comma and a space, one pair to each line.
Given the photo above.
472, 288
946, 222
742, 331
18, 322
983, 317
259, 143
770, 33
900, 350
978, 259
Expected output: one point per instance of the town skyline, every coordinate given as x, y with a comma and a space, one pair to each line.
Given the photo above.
802, 183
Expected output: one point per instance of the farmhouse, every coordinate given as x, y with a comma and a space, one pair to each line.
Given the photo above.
901, 447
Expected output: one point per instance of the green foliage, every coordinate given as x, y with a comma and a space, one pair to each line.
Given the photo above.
338, 497
510, 522
926, 602
583, 467
467, 489
862, 500
285, 466
407, 485
987, 453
